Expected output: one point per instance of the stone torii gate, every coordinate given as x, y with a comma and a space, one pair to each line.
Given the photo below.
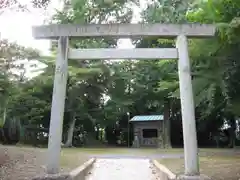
181, 32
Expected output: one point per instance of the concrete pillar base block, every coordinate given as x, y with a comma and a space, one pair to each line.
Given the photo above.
186, 177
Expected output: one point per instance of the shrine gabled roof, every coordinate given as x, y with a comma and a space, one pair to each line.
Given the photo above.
147, 118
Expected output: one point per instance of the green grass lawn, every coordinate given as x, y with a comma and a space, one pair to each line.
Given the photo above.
218, 167
145, 151
71, 159
219, 164
123, 150
213, 162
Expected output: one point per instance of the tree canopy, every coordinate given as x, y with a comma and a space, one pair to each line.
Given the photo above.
102, 92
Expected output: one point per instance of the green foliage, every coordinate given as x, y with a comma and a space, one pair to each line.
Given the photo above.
9, 54
102, 92
214, 61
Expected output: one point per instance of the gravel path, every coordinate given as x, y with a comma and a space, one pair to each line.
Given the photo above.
119, 169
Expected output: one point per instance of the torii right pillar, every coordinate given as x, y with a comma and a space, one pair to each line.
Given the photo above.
188, 113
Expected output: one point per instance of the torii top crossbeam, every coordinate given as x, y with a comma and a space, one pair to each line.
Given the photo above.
123, 30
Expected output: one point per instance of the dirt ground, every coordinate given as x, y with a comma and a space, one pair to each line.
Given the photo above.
21, 163
217, 167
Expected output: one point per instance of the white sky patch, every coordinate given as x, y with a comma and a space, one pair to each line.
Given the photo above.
17, 27
32, 68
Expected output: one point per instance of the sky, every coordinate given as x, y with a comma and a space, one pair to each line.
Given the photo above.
17, 27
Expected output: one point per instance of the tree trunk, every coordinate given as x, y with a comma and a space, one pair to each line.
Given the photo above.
232, 132
167, 125
3, 119
70, 132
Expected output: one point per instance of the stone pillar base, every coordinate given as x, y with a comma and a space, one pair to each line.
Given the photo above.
200, 177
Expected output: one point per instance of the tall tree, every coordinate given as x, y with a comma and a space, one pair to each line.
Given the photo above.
91, 79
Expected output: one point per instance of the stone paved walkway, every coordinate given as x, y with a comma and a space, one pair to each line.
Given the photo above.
122, 169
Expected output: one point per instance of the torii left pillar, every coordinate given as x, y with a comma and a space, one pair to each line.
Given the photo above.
58, 104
